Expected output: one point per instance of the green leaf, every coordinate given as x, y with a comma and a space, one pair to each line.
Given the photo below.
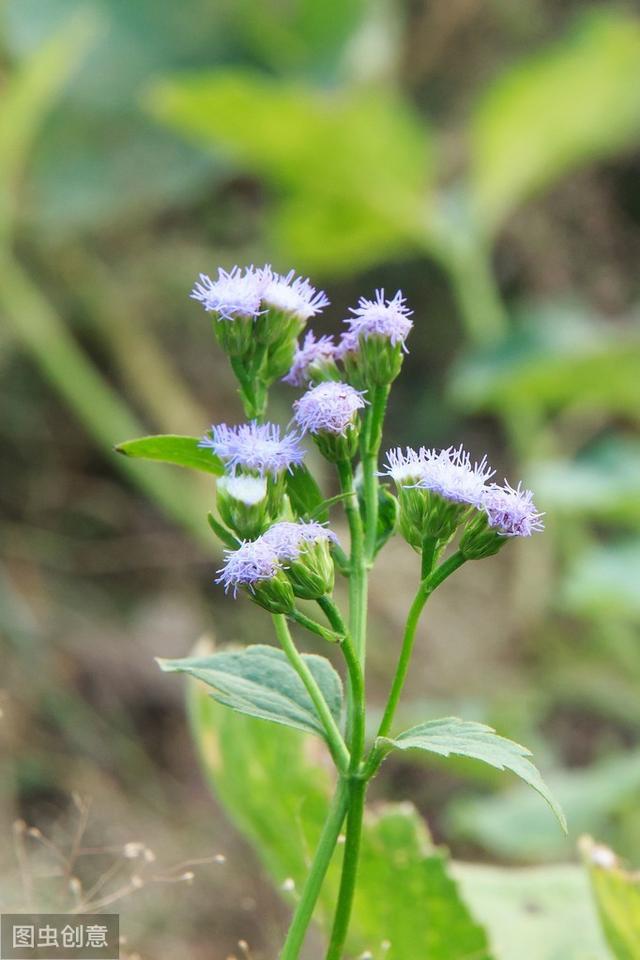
388, 509
602, 483
602, 582
534, 913
617, 895
251, 764
222, 533
305, 494
556, 358
468, 739
260, 681
180, 451
28, 95
567, 106
360, 200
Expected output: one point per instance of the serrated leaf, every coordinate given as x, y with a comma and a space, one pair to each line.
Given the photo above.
568, 105
180, 451
357, 202
305, 495
466, 738
617, 895
250, 763
260, 682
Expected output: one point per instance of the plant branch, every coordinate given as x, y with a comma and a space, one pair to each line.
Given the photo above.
336, 744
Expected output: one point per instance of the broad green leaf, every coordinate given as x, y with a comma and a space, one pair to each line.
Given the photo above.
602, 483
567, 106
555, 358
275, 787
28, 95
465, 738
180, 451
87, 169
351, 169
617, 895
534, 913
304, 36
260, 681
305, 494
602, 582
512, 824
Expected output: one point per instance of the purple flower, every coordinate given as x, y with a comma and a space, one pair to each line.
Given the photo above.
347, 345
310, 353
253, 446
451, 474
388, 319
405, 469
287, 539
292, 295
328, 408
236, 293
247, 489
512, 512
251, 563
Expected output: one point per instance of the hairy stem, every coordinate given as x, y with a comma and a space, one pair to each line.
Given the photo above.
357, 791
358, 573
370, 467
426, 588
317, 872
335, 742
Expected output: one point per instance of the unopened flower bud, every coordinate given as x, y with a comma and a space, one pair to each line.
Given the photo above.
243, 502
329, 412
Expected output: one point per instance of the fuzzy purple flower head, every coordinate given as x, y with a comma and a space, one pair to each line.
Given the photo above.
405, 469
312, 352
330, 407
236, 293
287, 538
388, 319
451, 473
253, 562
510, 511
292, 295
255, 447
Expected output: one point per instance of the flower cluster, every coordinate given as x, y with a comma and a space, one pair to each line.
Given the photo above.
253, 291
439, 489
289, 559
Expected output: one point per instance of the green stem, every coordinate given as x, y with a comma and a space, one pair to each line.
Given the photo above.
358, 575
317, 872
356, 682
357, 791
314, 627
370, 467
335, 742
426, 588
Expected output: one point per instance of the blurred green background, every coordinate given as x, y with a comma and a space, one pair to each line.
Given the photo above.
484, 158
